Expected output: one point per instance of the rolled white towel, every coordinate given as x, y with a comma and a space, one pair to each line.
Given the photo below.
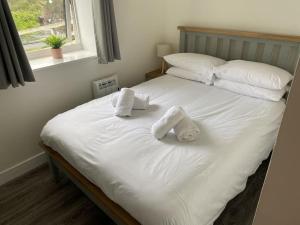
140, 101
186, 130
125, 102
167, 122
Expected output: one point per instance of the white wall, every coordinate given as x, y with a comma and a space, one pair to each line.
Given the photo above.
273, 16
23, 111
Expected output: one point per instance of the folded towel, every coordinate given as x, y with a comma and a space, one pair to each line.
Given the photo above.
167, 122
186, 130
125, 102
140, 101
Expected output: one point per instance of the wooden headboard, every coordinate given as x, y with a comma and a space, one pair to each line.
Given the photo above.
278, 50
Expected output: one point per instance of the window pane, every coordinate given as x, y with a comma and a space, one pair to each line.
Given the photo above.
37, 19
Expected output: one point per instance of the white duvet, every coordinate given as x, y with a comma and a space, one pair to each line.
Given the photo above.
166, 182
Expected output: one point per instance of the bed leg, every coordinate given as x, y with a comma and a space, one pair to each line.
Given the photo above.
54, 169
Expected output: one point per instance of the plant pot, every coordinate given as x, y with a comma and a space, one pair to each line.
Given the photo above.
56, 53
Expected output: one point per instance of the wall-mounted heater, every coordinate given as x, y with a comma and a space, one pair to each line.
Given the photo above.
105, 86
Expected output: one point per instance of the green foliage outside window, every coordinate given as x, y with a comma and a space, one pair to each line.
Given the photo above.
26, 12
25, 19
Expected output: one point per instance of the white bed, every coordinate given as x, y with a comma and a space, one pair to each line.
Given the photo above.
166, 182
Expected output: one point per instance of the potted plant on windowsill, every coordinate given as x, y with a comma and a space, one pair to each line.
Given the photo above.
56, 42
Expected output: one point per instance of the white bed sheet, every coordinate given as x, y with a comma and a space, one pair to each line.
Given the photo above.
166, 182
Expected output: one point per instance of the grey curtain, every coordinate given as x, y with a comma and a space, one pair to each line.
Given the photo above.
107, 42
14, 66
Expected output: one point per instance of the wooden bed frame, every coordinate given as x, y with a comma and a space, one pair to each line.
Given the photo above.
280, 50
58, 164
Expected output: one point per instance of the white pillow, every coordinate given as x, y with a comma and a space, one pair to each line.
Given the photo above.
185, 74
245, 89
255, 74
197, 63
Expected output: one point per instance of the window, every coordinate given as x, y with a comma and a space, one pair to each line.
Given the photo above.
37, 19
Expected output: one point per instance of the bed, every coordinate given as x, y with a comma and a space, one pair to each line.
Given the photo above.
137, 179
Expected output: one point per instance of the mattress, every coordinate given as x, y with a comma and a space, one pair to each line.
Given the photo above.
166, 182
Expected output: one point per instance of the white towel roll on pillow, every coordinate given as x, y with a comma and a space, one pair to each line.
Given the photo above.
125, 102
141, 101
186, 130
167, 122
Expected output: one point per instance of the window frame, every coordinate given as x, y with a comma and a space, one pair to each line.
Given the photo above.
70, 5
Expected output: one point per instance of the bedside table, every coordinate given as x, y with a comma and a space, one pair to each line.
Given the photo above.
153, 74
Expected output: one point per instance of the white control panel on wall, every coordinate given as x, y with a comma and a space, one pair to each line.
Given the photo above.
105, 86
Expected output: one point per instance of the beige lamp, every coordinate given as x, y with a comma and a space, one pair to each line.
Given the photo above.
163, 50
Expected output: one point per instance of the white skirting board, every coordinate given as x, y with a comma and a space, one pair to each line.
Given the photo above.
22, 168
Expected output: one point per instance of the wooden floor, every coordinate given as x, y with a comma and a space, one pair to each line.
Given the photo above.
36, 199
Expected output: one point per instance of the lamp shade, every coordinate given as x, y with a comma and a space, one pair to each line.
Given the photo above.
163, 50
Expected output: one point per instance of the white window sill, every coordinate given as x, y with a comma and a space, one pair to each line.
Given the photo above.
46, 62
